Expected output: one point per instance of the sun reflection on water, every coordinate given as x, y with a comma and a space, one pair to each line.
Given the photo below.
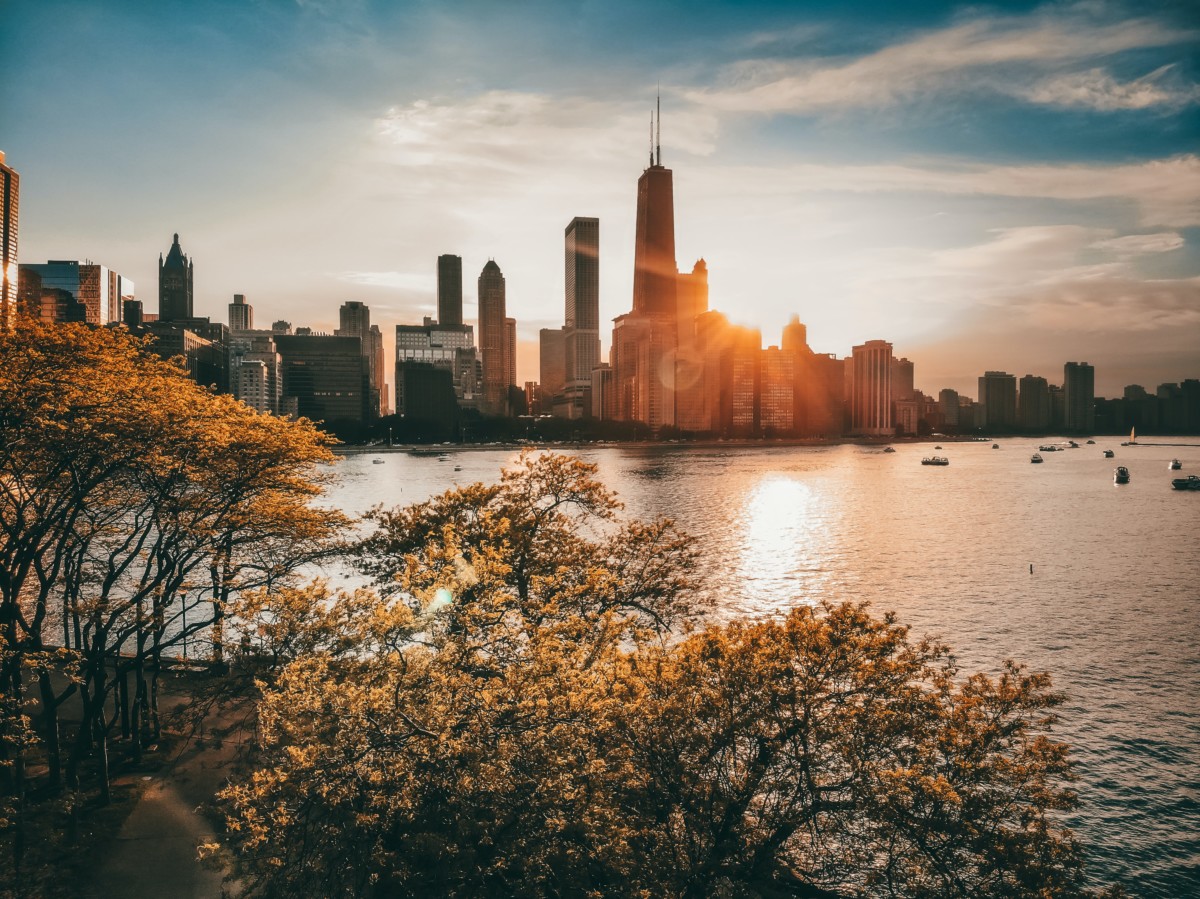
782, 543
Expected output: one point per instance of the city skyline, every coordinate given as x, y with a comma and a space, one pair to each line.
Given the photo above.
1006, 188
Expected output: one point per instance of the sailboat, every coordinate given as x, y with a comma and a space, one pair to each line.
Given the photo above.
1132, 435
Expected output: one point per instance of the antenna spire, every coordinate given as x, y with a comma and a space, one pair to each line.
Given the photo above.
658, 136
652, 137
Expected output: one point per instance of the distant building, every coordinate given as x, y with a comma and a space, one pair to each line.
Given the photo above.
552, 366
1079, 397
425, 393
777, 403
604, 405
241, 314
870, 384
493, 349
355, 320
998, 397
450, 347
1033, 405
174, 285
69, 290
449, 290
691, 302
948, 405
510, 356
328, 378
902, 380
262, 387
10, 207
581, 321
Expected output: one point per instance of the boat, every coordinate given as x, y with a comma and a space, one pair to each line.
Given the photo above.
939, 446
889, 449
935, 460
376, 461
1073, 444
1108, 454
1191, 482
1035, 458
1049, 448
1132, 436
1121, 475
1091, 441
1176, 465
995, 446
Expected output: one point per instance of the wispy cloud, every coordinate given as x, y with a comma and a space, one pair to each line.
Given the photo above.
1097, 89
961, 57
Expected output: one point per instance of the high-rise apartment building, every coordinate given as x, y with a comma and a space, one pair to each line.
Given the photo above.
241, 314
1079, 397
581, 323
10, 207
1033, 405
69, 290
998, 397
174, 285
871, 390
948, 406
777, 393
449, 288
492, 339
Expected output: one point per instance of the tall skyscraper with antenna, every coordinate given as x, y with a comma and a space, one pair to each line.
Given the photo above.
645, 340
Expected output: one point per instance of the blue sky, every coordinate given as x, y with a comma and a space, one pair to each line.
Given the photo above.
1005, 186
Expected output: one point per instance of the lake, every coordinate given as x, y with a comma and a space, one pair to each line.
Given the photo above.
1111, 607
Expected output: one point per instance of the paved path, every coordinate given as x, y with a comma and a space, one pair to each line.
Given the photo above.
154, 853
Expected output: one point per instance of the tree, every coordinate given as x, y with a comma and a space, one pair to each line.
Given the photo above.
133, 503
520, 710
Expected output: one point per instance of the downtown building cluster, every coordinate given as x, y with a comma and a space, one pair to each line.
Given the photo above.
675, 365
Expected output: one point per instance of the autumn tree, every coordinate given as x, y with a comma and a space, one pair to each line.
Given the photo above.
523, 706
133, 503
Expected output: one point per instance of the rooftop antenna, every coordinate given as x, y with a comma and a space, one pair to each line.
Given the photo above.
652, 137
658, 136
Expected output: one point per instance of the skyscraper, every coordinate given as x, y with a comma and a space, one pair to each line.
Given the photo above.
492, 339
582, 318
241, 314
355, 319
174, 285
645, 340
998, 397
1079, 394
871, 389
10, 195
450, 293
1033, 405
69, 290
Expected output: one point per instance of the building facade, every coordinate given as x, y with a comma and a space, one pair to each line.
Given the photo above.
998, 399
1079, 398
449, 290
10, 209
241, 314
871, 390
69, 290
175, 295
450, 347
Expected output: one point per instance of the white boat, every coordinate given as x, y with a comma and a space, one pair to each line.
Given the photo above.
1036, 458
376, 461
1175, 465
1121, 475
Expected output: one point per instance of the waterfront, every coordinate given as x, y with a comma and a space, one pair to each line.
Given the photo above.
1111, 607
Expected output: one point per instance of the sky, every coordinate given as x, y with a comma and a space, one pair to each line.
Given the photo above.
1002, 186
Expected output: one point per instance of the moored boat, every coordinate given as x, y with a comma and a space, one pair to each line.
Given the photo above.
1121, 475
1108, 454
935, 460
1191, 482
889, 449
1176, 465
1036, 458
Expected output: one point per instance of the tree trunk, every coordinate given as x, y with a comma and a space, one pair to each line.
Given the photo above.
50, 730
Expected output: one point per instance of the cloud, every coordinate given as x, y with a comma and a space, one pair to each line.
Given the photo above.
965, 56
1098, 90
1141, 244
1165, 191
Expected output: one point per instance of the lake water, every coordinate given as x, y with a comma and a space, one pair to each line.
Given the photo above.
1111, 608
